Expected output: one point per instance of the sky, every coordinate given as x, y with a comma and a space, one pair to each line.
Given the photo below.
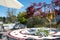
26, 3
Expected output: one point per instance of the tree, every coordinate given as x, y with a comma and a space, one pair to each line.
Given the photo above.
1, 18
22, 17
56, 3
11, 15
4, 19
13, 18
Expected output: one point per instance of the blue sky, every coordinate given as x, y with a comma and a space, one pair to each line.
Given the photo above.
26, 3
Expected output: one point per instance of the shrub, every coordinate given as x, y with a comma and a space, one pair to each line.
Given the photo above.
35, 22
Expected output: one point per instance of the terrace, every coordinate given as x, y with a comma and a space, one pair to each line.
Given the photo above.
39, 20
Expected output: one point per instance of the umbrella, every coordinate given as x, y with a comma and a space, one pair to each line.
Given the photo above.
11, 4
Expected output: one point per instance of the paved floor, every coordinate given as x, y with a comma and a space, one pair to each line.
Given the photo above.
4, 36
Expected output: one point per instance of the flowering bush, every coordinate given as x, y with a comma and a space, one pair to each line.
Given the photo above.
42, 32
